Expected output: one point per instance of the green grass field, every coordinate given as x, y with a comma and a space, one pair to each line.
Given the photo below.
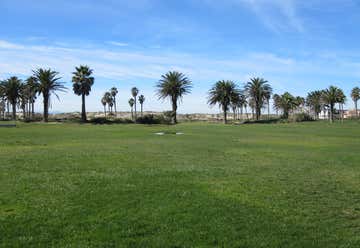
283, 185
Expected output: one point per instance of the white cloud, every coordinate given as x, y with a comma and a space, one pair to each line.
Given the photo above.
116, 43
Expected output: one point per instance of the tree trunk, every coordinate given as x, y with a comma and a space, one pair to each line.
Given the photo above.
174, 109
32, 110
356, 109
331, 113
46, 108
141, 110
105, 110
258, 113
225, 116
241, 113
115, 107
135, 106
14, 111
83, 110
132, 114
268, 104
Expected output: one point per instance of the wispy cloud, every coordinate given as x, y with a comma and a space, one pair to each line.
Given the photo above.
116, 43
277, 15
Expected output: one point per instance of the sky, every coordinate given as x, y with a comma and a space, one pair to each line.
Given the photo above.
298, 46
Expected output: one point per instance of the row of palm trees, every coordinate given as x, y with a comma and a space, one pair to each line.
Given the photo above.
22, 94
255, 94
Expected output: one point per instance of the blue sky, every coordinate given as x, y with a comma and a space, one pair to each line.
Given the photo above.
298, 46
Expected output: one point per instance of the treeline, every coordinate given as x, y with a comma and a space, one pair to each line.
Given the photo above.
255, 94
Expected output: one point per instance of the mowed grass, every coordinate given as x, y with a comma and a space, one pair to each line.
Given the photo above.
284, 185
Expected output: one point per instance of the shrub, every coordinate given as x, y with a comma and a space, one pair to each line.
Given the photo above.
151, 119
103, 120
301, 117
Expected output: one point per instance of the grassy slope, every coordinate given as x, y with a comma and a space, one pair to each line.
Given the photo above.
290, 185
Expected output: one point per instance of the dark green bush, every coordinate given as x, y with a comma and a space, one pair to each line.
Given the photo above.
151, 119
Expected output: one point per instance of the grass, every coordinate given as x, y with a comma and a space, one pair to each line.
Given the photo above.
284, 185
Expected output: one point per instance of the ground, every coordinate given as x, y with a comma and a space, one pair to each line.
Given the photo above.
278, 185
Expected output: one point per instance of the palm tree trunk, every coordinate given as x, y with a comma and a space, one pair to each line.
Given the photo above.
14, 111
268, 105
83, 110
135, 106
115, 106
132, 114
46, 108
8, 108
32, 110
241, 113
356, 109
105, 110
331, 113
141, 110
174, 109
225, 116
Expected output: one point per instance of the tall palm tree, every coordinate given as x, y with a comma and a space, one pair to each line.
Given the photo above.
276, 103
134, 93
32, 87
330, 97
242, 104
82, 83
235, 99
173, 85
285, 103
355, 96
11, 90
267, 98
141, 101
341, 101
104, 102
222, 93
48, 84
131, 103
258, 90
109, 100
314, 102
114, 91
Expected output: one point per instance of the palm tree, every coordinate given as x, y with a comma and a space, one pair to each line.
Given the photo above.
134, 93
141, 101
104, 102
235, 99
131, 103
341, 101
114, 92
222, 93
109, 100
355, 96
330, 97
11, 90
258, 90
242, 104
173, 85
267, 98
48, 84
314, 102
285, 103
82, 83
32, 86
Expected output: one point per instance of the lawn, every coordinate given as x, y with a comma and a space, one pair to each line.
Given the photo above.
278, 185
